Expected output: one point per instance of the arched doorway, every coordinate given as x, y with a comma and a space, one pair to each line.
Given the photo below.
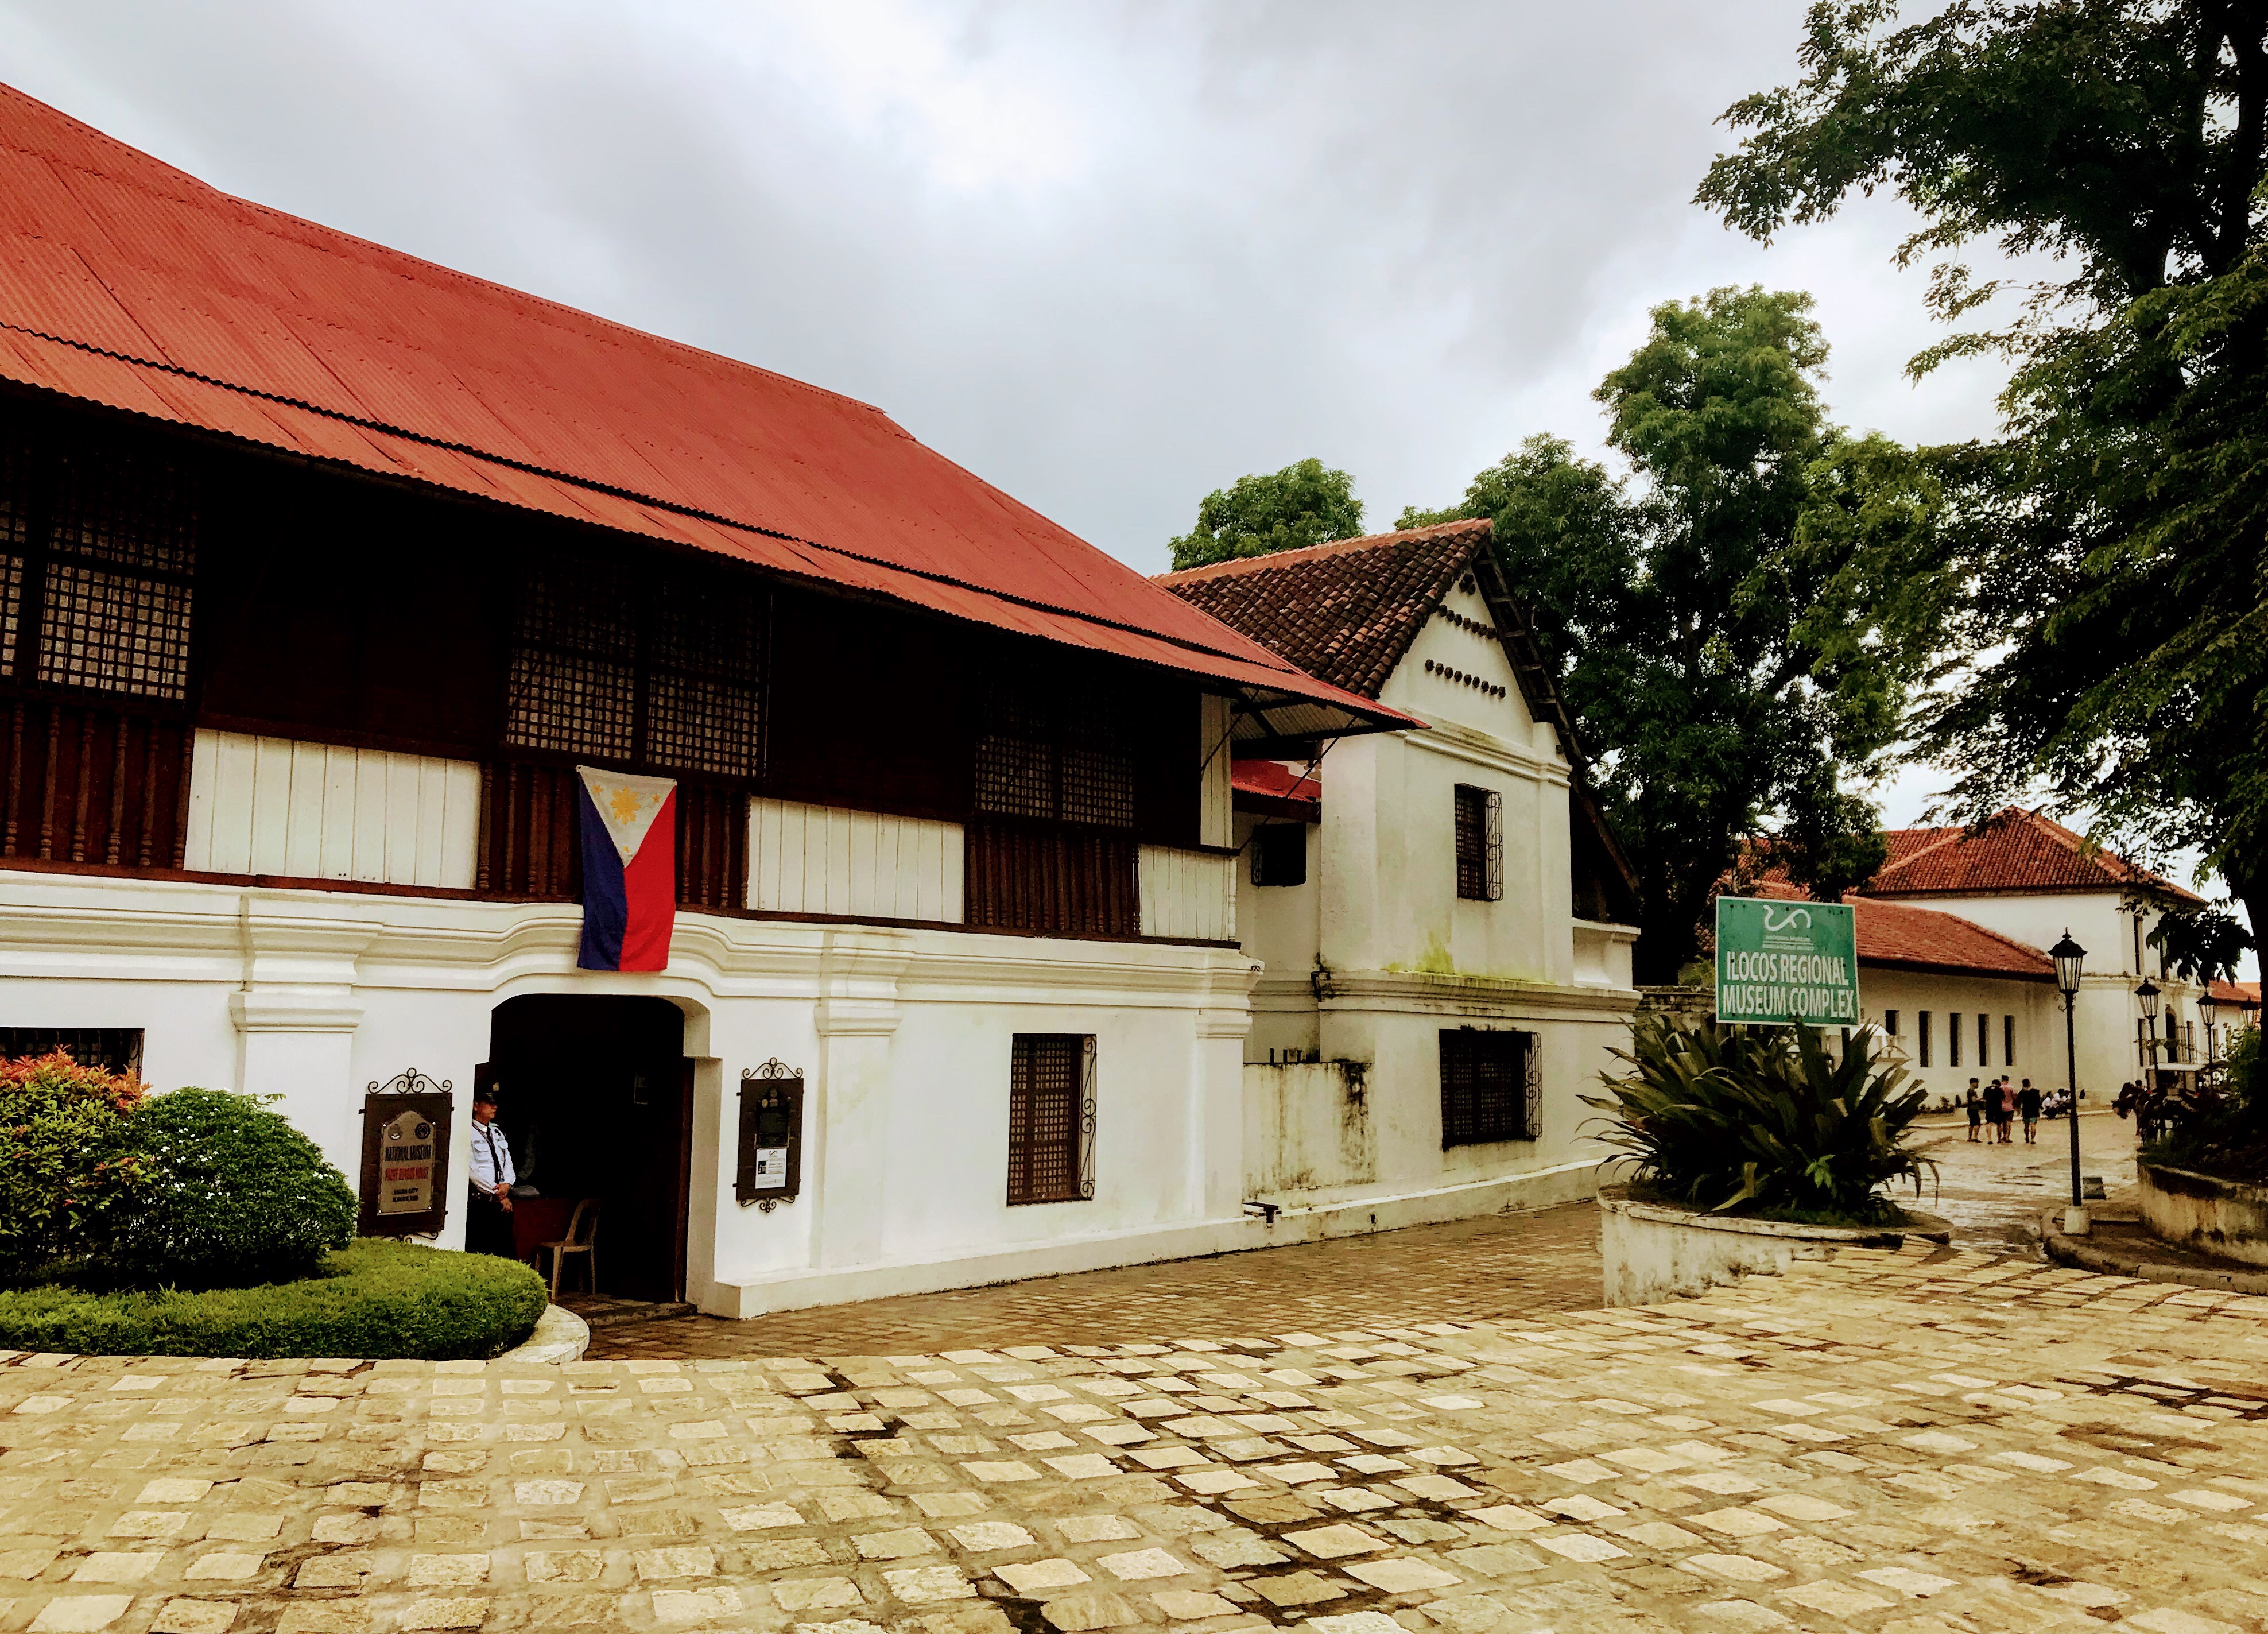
596, 1096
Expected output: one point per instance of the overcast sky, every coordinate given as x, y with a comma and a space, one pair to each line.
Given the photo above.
1109, 257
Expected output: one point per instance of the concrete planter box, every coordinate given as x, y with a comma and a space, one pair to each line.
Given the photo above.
2222, 1216
1654, 1251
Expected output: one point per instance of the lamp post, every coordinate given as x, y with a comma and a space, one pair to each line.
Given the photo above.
2208, 1011
2069, 956
2148, 994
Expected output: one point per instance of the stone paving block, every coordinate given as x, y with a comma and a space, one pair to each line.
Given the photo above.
193, 1617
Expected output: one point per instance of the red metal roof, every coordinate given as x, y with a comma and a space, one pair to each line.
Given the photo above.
2019, 851
127, 282
1275, 790
1895, 936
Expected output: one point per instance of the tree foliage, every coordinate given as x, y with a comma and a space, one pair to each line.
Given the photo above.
1732, 626
2109, 641
1300, 506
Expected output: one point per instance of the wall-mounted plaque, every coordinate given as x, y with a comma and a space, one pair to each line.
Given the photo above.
770, 1166
405, 1156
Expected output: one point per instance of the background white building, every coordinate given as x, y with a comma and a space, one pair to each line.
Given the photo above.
1441, 916
1953, 940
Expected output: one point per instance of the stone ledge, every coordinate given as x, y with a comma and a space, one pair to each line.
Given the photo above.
2082, 1255
560, 1336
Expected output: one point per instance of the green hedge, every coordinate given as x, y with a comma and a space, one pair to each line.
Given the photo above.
374, 1299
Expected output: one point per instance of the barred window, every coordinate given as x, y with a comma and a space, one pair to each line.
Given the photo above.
1921, 1038
111, 585
15, 538
1984, 1040
1490, 1089
573, 682
1279, 854
610, 663
1480, 843
2007, 1041
1953, 1038
113, 1049
1053, 745
706, 662
1050, 1117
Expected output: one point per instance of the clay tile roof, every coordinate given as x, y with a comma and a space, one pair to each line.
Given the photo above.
1344, 612
128, 283
1899, 937
2236, 992
2019, 851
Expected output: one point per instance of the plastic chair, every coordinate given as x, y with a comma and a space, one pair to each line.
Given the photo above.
582, 1238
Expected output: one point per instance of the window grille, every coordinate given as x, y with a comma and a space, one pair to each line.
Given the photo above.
107, 577
113, 1049
611, 663
15, 539
1984, 1040
706, 654
1480, 843
1279, 854
1053, 745
1050, 1117
1491, 1087
1953, 1038
573, 680
1015, 761
2007, 1041
1921, 1036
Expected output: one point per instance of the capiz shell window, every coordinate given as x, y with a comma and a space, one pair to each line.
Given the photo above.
1050, 1117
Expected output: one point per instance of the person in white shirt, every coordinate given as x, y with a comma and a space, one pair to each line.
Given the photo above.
487, 1220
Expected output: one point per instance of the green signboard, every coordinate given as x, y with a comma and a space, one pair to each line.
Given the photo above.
1779, 962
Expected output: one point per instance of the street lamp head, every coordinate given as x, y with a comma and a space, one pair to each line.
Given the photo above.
2208, 1007
2148, 994
2068, 956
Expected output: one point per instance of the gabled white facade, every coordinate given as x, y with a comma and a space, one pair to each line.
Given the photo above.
2107, 1021
1376, 954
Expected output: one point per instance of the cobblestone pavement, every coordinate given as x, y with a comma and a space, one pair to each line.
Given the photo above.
1911, 1443
1994, 1195
1467, 1270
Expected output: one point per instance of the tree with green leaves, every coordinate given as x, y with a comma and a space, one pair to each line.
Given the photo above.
1725, 624
1300, 506
2109, 641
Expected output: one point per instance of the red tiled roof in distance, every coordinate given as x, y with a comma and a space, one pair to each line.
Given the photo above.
1272, 789
128, 283
2019, 851
1345, 611
1896, 937
2228, 992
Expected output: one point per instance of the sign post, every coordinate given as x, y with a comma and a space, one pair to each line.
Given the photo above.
1785, 962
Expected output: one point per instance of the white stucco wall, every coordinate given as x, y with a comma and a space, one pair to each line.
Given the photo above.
1370, 960
904, 1037
2036, 1006
2107, 1012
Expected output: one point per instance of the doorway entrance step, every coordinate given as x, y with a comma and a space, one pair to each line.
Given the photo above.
605, 1310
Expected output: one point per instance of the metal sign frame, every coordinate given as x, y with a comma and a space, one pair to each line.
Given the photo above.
410, 1090
769, 1175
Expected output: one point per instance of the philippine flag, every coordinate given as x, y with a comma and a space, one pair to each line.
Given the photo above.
630, 870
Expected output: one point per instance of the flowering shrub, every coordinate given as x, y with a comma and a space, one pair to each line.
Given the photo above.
230, 1195
70, 1165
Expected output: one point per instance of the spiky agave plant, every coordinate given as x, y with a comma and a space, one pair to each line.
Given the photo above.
1763, 1120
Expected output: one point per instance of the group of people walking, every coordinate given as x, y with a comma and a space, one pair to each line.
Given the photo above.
1998, 1106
